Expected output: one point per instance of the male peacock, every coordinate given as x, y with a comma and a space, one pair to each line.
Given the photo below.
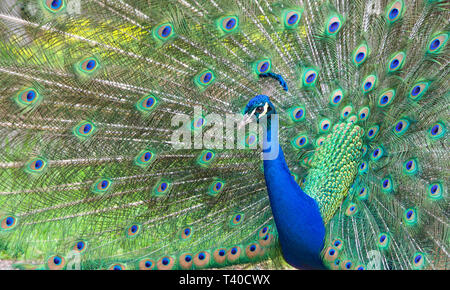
90, 178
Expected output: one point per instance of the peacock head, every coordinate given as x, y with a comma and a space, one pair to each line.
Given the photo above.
257, 108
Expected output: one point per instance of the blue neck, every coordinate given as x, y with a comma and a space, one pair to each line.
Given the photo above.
297, 216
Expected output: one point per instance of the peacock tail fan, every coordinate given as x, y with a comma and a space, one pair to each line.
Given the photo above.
91, 92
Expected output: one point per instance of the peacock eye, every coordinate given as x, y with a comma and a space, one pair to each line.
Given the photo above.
259, 109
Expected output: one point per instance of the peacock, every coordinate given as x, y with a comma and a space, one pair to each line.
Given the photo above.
342, 164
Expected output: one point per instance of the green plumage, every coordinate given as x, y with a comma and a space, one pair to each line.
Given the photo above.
89, 176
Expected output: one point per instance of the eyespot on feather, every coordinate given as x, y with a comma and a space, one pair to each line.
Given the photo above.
437, 131
253, 251
28, 98
202, 259
418, 261
351, 210
186, 261
347, 265
418, 90
383, 241
410, 166
117, 267
410, 216
435, 191
84, 130
147, 103
262, 66
338, 244
386, 98
330, 254
80, 246
234, 254
437, 43
133, 230
220, 255
360, 54
228, 24
336, 97
163, 32
165, 263
334, 25
300, 141
377, 153
8, 223
161, 188
396, 62
324, 125
369, 83
394, 11
363, 167
147, 264
297, 113
401, 127
237, 219
266, 240
144, 158
346, 111
101, 186
186, 233
36, 166
56, 262
292, 19
216, 187
364, 113
54, 6
373, 132
387, 185
363, 193
205, 158
309, 77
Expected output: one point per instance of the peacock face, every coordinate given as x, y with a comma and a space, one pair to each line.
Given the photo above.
258, 107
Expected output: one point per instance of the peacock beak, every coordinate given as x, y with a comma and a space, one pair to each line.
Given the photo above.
247, 118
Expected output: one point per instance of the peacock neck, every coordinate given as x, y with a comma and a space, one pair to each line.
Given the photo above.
297, 215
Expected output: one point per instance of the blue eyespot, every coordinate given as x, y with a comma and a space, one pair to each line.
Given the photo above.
54, 5
437, 43
222, 253
393, 13
80, 245
437, 130
311, 78
228, 24
401, 127
7, 223
233, 251
291, 19
334, 26
394, 63
360, 56
163, 32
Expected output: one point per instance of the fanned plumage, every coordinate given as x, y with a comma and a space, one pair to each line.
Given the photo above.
89, 90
